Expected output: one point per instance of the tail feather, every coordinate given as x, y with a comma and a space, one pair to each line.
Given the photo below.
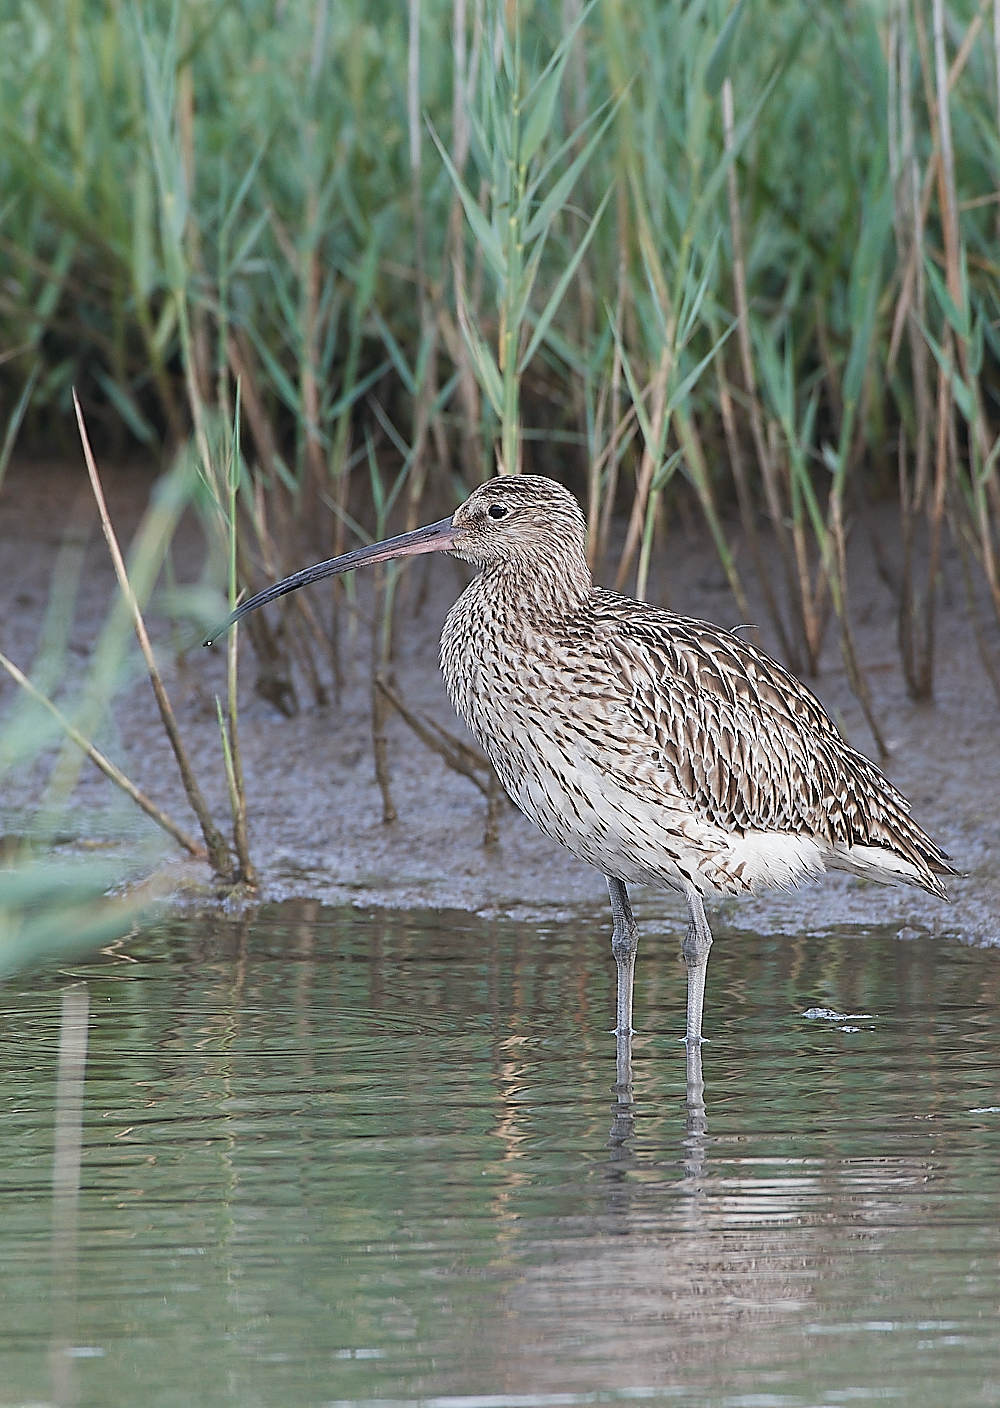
888, 866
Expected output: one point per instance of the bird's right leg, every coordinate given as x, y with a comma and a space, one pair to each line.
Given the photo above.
624, 942
695, 948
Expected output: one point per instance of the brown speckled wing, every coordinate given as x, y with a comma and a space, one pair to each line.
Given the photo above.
702, 715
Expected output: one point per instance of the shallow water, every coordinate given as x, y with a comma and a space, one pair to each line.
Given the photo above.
334, 1157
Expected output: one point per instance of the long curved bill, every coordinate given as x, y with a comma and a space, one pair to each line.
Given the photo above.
436, 537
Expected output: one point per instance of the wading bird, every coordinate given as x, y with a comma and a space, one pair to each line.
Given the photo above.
656, 747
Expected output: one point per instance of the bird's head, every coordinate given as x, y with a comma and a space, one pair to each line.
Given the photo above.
520, 520
527, 524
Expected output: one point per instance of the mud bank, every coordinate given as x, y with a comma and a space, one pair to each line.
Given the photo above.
315, 809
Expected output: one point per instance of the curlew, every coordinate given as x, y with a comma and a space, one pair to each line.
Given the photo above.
656, 747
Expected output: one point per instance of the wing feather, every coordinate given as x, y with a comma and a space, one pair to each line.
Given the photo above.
702, 716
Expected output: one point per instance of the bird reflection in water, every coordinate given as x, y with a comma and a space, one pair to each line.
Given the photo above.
623, 1109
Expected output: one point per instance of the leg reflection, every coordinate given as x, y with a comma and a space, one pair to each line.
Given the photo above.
696, 1128
623, 1110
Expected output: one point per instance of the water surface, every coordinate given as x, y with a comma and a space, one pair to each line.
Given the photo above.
331, 1157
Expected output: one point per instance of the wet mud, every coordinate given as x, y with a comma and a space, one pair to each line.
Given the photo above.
315, 811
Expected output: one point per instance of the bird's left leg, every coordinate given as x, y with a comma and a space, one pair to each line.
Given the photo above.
624, 942
695, 948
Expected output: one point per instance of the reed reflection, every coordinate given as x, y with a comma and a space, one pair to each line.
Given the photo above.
68, 1144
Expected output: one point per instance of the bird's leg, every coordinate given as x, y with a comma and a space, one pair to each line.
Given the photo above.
697, 942
624, 942
695, 948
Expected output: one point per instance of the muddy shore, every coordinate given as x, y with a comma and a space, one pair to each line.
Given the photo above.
316, 813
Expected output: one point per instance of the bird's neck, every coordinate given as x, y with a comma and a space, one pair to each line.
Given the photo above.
541, 589
502, 620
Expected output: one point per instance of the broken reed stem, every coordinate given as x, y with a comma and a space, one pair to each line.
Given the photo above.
218, 851
466, 761
108, 768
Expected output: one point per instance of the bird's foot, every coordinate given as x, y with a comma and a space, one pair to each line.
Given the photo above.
628, 1031
687, 1041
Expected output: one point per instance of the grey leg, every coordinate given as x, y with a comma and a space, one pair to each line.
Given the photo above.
624, 942
697, 942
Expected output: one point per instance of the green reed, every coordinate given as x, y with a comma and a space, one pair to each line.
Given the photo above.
745, 254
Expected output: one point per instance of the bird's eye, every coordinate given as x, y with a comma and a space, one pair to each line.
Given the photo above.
497, 510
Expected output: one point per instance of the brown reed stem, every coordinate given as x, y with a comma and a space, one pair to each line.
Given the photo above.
466, 761
855, 675
247, 869
764, 462
218, 852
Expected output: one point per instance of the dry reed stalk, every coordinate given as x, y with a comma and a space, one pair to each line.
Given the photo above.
105, 765
381, 657
201, 360
459, 756
218, 852
948, 202
748, 516
315, 460
966, 546
765, 464
229, 728
909, 652
425, 413
380, 751
594, 474
237, 796
915, 628
273, 660
274, 680
855, 675
936, 513
694, 454
657, 391
414, 126
243, 365
811, 589
465, 72
915, 257
613, 452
